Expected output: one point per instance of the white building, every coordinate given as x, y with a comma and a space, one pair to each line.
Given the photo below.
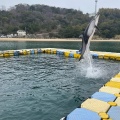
21, 33
10, 35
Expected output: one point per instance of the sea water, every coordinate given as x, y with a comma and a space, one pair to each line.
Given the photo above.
47, 86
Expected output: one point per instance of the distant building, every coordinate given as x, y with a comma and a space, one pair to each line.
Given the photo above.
15, 35
10, 35
3, 36
21, 33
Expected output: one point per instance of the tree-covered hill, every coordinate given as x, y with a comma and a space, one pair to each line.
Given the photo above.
56, 22
109, 23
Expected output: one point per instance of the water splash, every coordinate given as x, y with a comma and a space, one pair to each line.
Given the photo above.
93, 72
88, 68
87, 56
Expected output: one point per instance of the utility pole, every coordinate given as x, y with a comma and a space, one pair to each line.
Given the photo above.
96, 6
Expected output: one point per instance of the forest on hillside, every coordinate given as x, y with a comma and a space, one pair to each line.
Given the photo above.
56, 22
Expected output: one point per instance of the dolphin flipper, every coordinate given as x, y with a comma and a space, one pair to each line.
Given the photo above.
96, 27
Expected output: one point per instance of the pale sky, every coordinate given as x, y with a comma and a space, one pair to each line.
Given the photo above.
87, 6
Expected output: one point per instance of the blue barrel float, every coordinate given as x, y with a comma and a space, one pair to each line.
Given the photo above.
32, 51
16, 53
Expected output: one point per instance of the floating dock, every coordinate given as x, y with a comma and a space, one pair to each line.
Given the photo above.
102, 105
65, 52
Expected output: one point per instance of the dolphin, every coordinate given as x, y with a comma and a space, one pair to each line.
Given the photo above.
88, 34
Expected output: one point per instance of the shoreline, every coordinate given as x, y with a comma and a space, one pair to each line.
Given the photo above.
53, 40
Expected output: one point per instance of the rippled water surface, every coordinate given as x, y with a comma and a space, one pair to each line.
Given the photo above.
47, 86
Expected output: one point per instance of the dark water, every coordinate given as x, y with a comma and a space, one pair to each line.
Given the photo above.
95, 46
48, 87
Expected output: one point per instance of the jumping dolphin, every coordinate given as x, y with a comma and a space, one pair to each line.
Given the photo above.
88, 34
